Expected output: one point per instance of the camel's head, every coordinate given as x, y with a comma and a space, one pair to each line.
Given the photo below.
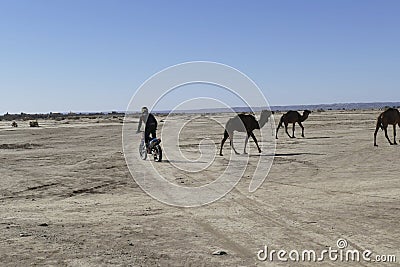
266, 113
305, 114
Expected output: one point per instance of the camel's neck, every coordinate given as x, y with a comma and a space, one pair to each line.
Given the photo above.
304, 117
263, 119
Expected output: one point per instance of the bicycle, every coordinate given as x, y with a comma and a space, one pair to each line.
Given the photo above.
154, 149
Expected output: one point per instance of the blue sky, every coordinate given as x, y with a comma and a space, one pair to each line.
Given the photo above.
93, 55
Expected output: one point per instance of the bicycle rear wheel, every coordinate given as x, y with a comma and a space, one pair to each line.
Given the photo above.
142, 151
157, 153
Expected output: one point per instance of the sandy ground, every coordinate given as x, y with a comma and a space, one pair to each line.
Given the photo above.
68, 199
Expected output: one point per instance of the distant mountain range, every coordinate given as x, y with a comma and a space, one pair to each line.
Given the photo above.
336, 106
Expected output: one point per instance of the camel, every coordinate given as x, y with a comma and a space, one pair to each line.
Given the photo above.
33, 124
244, 123
390, 116
292, 117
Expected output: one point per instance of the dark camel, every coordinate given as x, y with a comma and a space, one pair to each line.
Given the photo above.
390, 116
292, 117
244, 123
33, 124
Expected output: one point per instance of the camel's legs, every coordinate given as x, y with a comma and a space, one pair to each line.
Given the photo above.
279, 126
302, 129
286, 125
245, 142
394, 134
376, 132
231, 143
386, 134
255, 141
399, 124
226, 135
293, 130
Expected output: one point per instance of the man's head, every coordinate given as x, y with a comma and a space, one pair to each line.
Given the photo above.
145, 110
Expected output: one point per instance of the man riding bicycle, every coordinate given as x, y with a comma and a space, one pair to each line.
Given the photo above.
150, 123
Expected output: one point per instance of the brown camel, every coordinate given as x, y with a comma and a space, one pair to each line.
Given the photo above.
390, 116
292, 117
244, 123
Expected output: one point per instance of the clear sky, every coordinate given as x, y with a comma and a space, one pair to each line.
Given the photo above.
92, 55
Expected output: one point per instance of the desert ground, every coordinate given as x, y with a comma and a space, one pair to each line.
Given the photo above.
68, 199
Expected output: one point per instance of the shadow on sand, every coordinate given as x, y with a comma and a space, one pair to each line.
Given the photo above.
182, 161
319, 137
285, 154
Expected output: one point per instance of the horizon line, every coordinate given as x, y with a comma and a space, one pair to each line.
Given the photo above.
336, 106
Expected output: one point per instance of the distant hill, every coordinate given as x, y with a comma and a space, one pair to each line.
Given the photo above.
337, 106
75, 115
340, 106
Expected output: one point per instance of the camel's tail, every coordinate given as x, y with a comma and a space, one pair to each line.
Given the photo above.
226, 135
379, 123
281, 121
